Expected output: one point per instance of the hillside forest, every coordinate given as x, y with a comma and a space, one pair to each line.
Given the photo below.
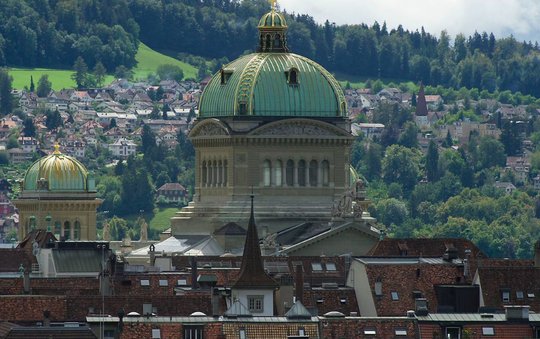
53, 33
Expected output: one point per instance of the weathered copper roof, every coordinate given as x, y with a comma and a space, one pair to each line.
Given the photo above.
252, 273
61, 173
259, 81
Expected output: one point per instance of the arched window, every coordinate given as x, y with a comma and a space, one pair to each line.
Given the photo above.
293, 77
313, 173
267, 173
77, 231
325, 172
289, 173
278, 173
214, 173
204, 174
268, 42
66, 232
57, 229
277, 41
302, 173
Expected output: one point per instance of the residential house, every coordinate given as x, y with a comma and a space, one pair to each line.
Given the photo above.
371, 131
507, 187
123, 148
19, 155
28, 144
520, 167
172, 192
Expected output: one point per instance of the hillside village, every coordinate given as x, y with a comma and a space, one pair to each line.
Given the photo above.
109, 120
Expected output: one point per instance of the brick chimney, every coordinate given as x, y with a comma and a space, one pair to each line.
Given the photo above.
299, 282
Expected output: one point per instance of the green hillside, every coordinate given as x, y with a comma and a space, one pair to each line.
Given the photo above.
148, 61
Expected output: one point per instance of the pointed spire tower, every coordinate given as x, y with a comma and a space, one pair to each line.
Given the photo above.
252, 274
421, 105
254, 287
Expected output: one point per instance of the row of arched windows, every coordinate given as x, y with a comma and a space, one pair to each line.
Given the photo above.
295, 173
65, 231
214, 173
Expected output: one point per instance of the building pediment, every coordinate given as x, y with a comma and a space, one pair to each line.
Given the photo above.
300, 128
209, 128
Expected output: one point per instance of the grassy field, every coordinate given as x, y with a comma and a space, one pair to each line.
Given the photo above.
147, 62
162, 219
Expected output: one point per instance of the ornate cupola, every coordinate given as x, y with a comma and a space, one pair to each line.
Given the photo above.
272, 32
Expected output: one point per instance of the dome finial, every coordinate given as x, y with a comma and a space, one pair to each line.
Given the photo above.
273, 4
56, 148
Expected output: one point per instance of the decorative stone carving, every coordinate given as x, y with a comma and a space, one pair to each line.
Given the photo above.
344, 206
296, 129
144, 230
270, 241
211, 130
106, 231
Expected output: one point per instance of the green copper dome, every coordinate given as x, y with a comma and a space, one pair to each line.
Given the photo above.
56, 172
273, 84
272, 19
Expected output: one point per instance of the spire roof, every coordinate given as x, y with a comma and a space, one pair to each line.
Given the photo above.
421, 105
252, 274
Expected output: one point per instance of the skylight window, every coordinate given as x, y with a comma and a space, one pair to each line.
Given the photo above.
316, 266
394, 295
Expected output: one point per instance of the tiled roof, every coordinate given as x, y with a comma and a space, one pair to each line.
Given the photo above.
172, 186
12, 259
522, 283
426, 247
398, 282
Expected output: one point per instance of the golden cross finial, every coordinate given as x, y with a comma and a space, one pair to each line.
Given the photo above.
56, 148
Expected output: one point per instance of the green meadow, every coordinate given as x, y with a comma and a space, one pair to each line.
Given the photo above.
148, 61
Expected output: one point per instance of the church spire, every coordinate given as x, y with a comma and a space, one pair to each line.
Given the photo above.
272, 31
252, 274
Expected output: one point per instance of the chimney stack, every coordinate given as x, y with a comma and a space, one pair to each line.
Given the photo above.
194, 274
299, 281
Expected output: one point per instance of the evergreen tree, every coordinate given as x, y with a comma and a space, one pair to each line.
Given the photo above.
44, 86
99, 74
432, 162
413, 100
32, 86
29, 130
53, 119
6, 100
165, 110
81, 72
148, 140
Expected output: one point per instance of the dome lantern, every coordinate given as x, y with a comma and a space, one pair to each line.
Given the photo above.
272, 32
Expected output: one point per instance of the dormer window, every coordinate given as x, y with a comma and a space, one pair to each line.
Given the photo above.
292, 76
225, 76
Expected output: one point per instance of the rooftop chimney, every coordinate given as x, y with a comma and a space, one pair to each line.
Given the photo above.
193, 262
299, 281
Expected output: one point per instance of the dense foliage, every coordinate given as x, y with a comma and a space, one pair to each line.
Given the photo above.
444, 192
53, 33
